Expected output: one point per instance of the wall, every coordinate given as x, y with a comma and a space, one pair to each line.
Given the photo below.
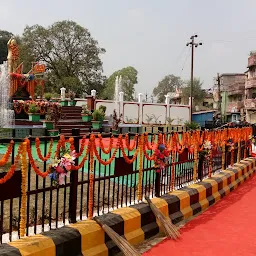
134, 112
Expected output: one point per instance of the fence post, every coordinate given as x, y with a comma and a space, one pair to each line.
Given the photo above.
74, 181
157, 183
200, 168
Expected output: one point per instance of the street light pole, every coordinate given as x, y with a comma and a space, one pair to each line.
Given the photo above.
193, 44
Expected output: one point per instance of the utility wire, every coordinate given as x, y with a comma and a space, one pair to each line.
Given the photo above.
185, 61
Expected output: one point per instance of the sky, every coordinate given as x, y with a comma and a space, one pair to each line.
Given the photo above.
151, 35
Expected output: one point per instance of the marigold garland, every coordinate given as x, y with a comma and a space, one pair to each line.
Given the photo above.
24, 168
195, 164
173, 170
91, 181
126, 158
127, 143
7, 154
72, 147
139, 192
109, 161
12, 169
39, 153
223, 156
32, 162
108, 150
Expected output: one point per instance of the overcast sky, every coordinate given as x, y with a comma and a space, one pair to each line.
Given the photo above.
151, 34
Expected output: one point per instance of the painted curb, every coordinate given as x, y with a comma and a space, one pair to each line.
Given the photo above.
136, 223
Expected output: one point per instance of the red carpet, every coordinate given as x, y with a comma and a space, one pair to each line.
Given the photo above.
227, 228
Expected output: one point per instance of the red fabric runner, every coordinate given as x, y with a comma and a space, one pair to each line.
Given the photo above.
227, 228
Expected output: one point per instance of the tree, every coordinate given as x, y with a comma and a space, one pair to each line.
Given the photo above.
129, 79
166, 85
71, 55
197, 93
4, 38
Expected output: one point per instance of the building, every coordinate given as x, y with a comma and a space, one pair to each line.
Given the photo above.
232, 91
250, 89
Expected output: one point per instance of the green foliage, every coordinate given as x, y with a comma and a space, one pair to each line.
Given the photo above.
169, 120
48, 96
197, 93
48, 116
4, 38
33, 109
72, 56
85, 110
129, 79
98, 115
192, 125
166, 85
71, 95
103, 108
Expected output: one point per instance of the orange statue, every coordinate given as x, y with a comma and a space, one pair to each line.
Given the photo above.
13, 55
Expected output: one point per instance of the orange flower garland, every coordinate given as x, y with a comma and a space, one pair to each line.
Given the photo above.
32, 162
91, 180
39, 153
103, 162
108, 150
130, 148
128, 160
24, 169
11, 171
6, 156
139, 192
83, 143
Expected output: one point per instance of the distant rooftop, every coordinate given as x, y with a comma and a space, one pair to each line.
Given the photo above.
232, 74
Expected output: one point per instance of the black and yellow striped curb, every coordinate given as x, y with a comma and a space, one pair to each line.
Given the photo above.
136, 223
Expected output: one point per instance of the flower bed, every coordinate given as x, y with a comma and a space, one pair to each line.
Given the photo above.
19, 105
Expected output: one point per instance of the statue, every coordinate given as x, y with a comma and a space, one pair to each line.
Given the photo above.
13, 55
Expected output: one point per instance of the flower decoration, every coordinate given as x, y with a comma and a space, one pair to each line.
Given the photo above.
231, 145
252, 139
61, 167
207, 147
161, 157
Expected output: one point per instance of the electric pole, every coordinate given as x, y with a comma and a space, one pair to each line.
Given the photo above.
219, 94
193, 44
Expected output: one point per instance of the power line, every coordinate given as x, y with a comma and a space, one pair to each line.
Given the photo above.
185, 61
181, 54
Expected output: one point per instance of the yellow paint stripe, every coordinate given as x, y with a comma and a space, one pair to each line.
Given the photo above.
227, 190
92, 235
213, 183
204, 204
184, 198
135, 237
187, 212
37, 245
131, 217
100, 250
233, 176
217, 196
201, 191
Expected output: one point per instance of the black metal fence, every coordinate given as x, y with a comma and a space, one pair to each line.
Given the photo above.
115, 186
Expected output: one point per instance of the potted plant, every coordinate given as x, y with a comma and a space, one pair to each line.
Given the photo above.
56, 115
48, 96
116, 121
34, 112
48, 123
72, 96
98, 117
86, 114
103, 108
